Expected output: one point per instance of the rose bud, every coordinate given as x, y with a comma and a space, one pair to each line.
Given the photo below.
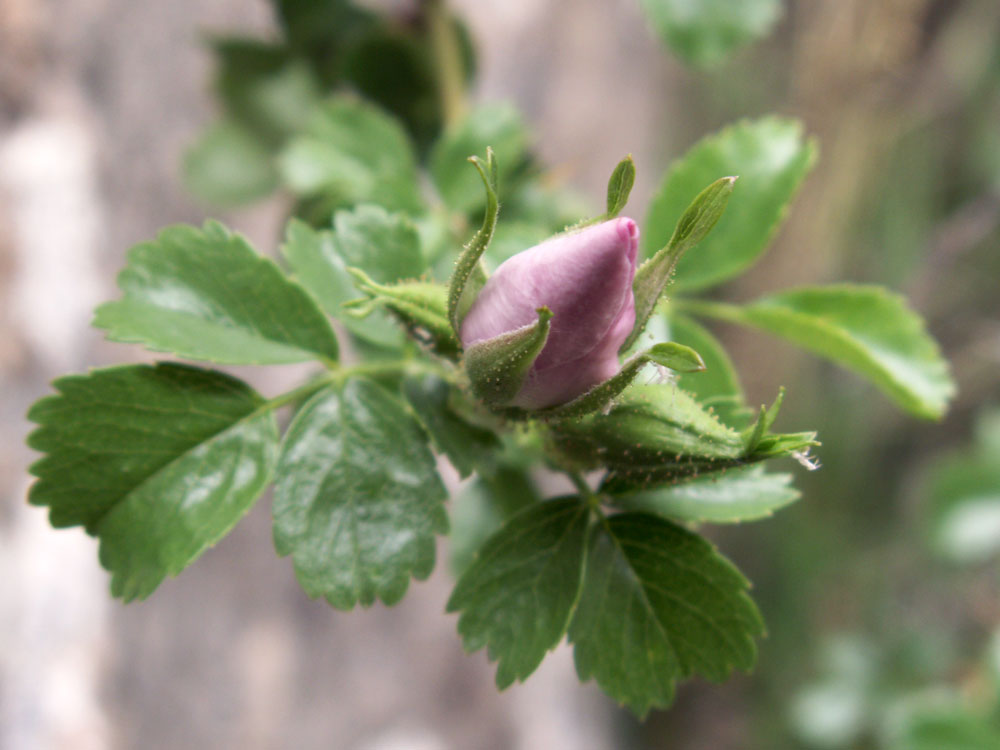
584, 278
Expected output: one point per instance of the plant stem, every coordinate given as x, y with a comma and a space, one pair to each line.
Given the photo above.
448, 57
580, 483
338, 373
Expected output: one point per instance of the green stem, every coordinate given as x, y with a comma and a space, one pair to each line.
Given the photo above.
448, 57
580, 483
338, 373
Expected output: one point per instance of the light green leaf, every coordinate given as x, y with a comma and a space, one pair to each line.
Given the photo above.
695, 223
771, 157
385, 246
718, 387
482, 507
620, 187
732, 496
357, 498
517, 596
353, 153
658, 605
158, 462
465, 444
228, 166
865, 328
205, 294
497, 125
706, 32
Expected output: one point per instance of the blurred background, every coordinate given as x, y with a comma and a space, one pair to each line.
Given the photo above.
879, 587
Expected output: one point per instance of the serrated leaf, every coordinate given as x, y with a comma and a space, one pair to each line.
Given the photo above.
497, 125
517, 596
482, 507
733, 496
205, 294
771, 157
352, 153
706, 32
385, 246
229, 166
864, 328
465, 444
357, 498
659, 604
718, 387
158, 462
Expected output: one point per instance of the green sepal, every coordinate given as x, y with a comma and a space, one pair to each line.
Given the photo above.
755, 432
422, 306
469, 276
695, 223
670, 354
498, 366
620, 186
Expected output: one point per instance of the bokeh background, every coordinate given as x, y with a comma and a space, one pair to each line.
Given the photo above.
871, 612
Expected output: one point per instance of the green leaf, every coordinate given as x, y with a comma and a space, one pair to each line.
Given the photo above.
771, 158
964, 498
353, 153
732, 496
465, 444
205, 294
694, 225
497, 125
158, 462
659, 604
263, 87
717, 388
620, 187
385, 246
517, 596
706, 32
864, 328
482, 507
357, 498
229, 166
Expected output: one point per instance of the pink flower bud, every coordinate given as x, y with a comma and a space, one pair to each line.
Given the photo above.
585, 279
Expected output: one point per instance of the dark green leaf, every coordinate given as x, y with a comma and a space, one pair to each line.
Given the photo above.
482, 507
496, 125
467, 445
659, 604
353, 153
205, 294
705, 32
229, 166
158, 462
864, 328
357, 498
517, 596
771, 158
620, 187
263, 87
718, 387
743, 494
